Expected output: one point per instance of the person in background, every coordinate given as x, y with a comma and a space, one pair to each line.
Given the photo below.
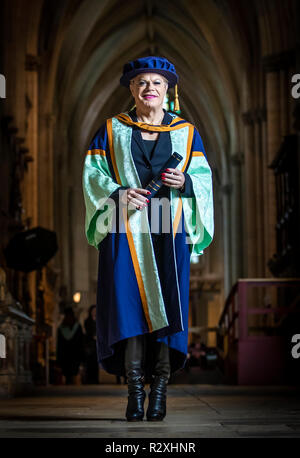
91, 361
70, 346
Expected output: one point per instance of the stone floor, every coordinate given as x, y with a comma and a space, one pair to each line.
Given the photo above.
194, 411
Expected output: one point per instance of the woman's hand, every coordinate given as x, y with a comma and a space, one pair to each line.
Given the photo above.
136, 197
173, 178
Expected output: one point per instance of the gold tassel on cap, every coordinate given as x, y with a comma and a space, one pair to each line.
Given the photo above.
176, 102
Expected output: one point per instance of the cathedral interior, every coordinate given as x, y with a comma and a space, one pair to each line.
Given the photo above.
238, 61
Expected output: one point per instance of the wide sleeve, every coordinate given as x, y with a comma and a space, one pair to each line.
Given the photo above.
198, 203
187, 189
98, 187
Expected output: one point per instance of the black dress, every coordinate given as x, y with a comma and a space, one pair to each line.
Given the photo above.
70, 350
91, 362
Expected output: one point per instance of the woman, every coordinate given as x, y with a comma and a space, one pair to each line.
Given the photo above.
144, 257
70, 346
91, 359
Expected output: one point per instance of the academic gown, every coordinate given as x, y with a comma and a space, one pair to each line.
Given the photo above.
120, 313
113, 274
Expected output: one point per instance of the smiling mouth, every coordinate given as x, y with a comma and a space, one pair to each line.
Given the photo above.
149, 96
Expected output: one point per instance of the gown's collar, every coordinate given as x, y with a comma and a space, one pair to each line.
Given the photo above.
169, 122
167, 119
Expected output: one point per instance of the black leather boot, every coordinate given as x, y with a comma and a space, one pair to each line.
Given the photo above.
157, 406
135, 379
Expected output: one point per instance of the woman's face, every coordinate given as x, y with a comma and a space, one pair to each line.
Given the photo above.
149, 90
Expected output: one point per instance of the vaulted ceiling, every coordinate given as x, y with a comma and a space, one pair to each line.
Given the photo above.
91, 41
215, 45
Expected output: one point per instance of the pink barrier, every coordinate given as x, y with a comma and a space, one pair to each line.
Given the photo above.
254, 359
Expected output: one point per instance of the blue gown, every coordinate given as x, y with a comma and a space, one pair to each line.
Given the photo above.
119, 308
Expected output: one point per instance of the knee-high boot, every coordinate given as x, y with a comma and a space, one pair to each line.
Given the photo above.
158, 395
135, 378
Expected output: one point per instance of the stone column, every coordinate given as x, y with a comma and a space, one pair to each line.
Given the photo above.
62, 211
236, 217
31, 178
273, 143
226, 192
250, 195
259, 118
80, 249
283, 101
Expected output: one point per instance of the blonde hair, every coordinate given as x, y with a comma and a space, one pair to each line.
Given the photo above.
163, 77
